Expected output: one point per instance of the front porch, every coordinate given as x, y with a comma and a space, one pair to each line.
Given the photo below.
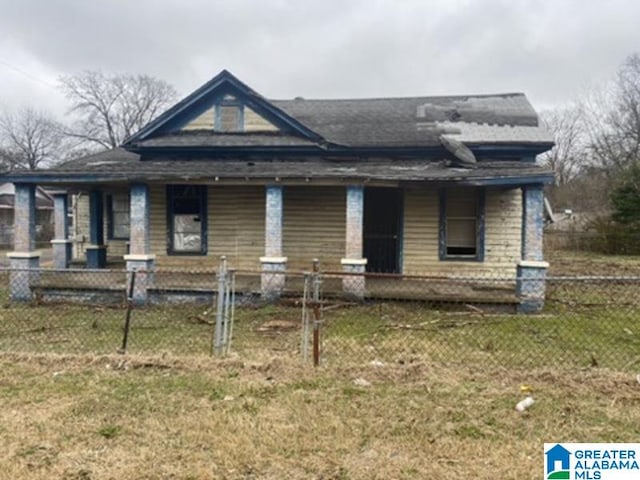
110, 287
272, 231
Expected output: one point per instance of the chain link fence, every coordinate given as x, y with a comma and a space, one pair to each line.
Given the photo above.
392, 319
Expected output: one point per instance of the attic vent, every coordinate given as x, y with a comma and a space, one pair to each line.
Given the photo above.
299, 99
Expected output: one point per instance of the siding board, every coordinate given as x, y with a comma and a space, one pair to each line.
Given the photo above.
503, 210
314, 226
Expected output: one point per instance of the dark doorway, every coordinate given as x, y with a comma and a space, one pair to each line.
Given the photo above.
382, 229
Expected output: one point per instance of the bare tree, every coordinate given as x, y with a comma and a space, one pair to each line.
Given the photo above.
110, 108
567, 157
614, 120
29, 139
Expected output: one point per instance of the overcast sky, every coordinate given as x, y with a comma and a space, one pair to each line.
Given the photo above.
551, 49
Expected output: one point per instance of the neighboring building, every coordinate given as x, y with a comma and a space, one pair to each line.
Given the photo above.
43, 219
383, 185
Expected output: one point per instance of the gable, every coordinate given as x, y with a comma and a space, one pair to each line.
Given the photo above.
229, 115
223, 105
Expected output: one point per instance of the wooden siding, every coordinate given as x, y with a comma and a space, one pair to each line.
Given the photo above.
236, 225
253, 122
80, 230
503, 220
235, 217
202, 122
314, 226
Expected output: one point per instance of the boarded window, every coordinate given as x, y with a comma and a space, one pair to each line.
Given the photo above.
186, 214
118, 219
229, 118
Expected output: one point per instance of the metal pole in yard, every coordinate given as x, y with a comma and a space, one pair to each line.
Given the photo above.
227, 308
127, 318
217, 335
316, 312
232, 274
305, 318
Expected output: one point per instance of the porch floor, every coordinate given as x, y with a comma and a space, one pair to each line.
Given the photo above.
452, 291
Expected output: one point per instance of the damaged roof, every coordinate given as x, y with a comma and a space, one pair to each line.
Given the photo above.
119, 165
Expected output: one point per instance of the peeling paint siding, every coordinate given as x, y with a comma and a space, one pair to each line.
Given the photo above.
503, 231
202, 122
235, 218
256, 123
236, 225
81, 226
314, 227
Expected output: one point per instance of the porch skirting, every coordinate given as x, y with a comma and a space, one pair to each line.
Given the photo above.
273, 277
354, 285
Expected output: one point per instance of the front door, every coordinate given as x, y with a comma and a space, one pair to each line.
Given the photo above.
382, 229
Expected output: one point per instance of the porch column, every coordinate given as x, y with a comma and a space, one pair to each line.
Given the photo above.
96, 250
24, 257
61, 243
140, 259
273, 263
532, 268
353, 261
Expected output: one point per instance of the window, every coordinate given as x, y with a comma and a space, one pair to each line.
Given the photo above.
462, 224
118, 220
229, 115
187, 219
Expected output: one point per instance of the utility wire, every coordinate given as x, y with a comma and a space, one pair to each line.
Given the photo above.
27, 74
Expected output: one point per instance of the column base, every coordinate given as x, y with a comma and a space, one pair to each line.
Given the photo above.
61, 253
354, 285
25, 271
144, 266
530, 285
96, 256
273, 277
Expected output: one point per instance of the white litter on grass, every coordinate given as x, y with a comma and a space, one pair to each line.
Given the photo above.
524, 404
376, 363
361, 382
638, 378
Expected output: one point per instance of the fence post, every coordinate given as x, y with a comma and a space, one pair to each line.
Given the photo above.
316, 312
222, 280
305, 317
127, 318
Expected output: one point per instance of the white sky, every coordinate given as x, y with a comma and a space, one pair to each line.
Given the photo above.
551, 49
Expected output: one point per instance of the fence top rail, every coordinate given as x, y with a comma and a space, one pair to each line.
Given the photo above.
333, 274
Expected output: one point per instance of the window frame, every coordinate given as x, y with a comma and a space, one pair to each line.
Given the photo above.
111, 218
202, 200
480, 227
218, 121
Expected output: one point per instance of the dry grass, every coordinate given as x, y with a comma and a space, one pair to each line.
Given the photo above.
84, 417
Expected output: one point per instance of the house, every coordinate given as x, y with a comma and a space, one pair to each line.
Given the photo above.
424, 185
43, 218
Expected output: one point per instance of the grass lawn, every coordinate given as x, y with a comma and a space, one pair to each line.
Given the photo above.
403, 391
102, 417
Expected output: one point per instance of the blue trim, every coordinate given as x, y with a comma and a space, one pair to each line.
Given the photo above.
480, 234
217, 117
480, 228
110, 220
241, 118
202, 194
400, 246
221, 84
544, 179
96, 217
442, 228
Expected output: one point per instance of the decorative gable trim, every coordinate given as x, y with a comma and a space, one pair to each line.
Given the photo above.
206, 96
